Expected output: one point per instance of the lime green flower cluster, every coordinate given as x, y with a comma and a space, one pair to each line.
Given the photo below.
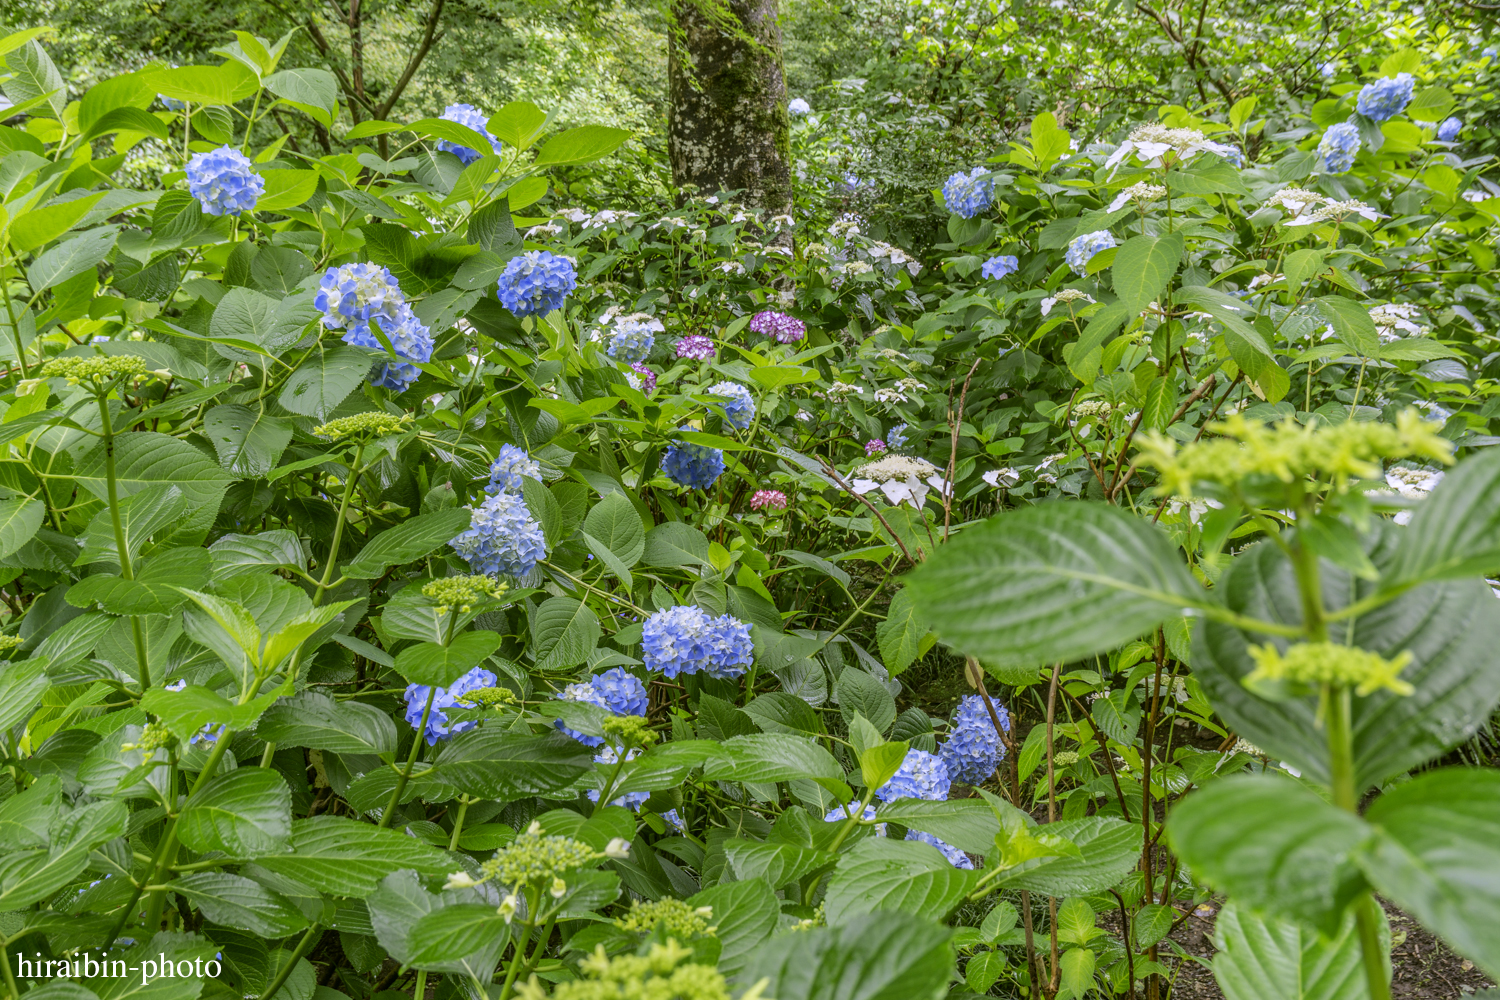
10, 642
487, 697
1317, 663
628, 730
534, 857
660, 974
679, 919
153, 737
1289, 452
1065, 758
462, 591
364, 426
96, 369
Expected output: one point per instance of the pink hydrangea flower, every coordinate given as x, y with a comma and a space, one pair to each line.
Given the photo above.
768, 500
874, 446
786, 329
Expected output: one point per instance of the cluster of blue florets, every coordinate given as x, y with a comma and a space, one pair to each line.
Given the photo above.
998, 267
922, 775
956, 858
695, 466
738, 404
1386, 97
467, 114
685, 640
969, 194
895, 438
841, 814
437, 719
1083, 248
1339, 146
616, 691
536, 282
1449, 129
507, 471
502, 539
797, 106
973, 749
609, 757
223, 182
631, 338
359, 296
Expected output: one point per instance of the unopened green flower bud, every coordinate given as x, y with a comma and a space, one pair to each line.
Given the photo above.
462, 591
96, 370
1316, 663
364, 426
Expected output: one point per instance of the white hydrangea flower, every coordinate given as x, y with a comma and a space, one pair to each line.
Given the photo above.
901, 478
1065, 295
1339, 210
1295, 200
1151, 143
889, 395
1002, 479
840, 391
1392, 319
1140, 191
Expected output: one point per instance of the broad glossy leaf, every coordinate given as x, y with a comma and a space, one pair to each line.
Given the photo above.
1259, 957
431, 663
772, 757
860, 693
905, 875
774, 864
249, 442
615, 523
400, 903
881, 956
148, 458
1143, 267
244, 813
450, 933
968, 824
580, 145
324, 380
235, 901
494, 764
1107, 847
1455, 533
312, 719
408, 541
563, 633
343, 857
745, 913
900, 635
22, 684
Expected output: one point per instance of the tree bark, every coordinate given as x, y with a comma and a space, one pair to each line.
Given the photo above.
727, 128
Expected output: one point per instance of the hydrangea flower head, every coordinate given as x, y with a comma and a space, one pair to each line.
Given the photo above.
1339, 146
973, 749
966, 195
223, 182
536, 282
797, 106
922, 775
646, 377
841, 814
467, 114
1083, 248
738, 404
1385, 97
437, 719
956, 858
895, 438
410, 340
507, 471
685, 640
786, 329
873, 447
998, 267
357, 293
695, 466
616, 691
1449, 129
502, 539
607, 759
696, 347
768, 500
630, 338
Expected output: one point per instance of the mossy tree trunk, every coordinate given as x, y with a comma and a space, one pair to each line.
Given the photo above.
727, 126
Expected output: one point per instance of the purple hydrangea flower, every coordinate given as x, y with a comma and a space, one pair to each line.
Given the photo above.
437, 719
874, 446
770, 323
647, 377
697, 347
502, 539
467, 114
536, 282
224, 182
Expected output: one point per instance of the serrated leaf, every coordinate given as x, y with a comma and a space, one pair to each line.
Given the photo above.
408, 541
243, 813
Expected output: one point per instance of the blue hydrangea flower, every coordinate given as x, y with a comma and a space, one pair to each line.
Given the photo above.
738, 404
437, 720
467, 114
1449, 129
507, 471
606, 759
223, 182
685, 640
502, 539
1083, 248
922, 775
956, 858
695, 466
673, 820
616, 691
998, 267
841, 814
895, 438
536, 282
797, 106
968, 194
357, 293
1386, 97
1328, 70
1339, 146
631, 338
171, 103
973, 749
408, 337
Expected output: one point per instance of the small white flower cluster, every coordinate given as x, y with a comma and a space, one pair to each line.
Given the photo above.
600, 219
1091, 408
1138, 192
1338, 210
1151, 143
889, 396
1393, 319
901, 478
840, 391
1412, 483
1295, 200
1002, 479
1065, 295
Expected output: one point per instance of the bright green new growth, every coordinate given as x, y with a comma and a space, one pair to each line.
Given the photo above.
364, 426
153, 737
10, 642
103, 368
1065, 757
487, 697
1290, 452
1317, 663
679, 919
462, 591
630, 730
533, 857
658, 975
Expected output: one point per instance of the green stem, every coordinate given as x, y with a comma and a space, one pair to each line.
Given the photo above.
419, 991
519, 956
10, 976
338, 526
15, 331
291, 963
541, 946
411, 761
127, 570
458, 822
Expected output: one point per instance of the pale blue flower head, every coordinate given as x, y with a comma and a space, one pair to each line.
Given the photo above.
1329, 70
738, 404
841, 814
1083, 248
895, 438
536, 282
357, 293
797, 106
616, 691
968, 194
607, 759
973, 749
223, 182
437, 719
685, 640
922, 775
502, 539
696, 466
409, 339
998, 267
956, 858
1386, 97
1449, 129
630, 338
507, 471
1339, 146
467, 114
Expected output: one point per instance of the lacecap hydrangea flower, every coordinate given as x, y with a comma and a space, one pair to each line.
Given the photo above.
1339, 146
785, 329
607, 759
696, 466
737, 403
437, 719
956, 858
616, 691
797, 106
998, 267
507, 471
1386, 97
223, 182
922, 775
502, 539
536, 282
967, 195
1449, 129
973, 749
1083, 248
685, 640
895, 438
696, 347
467, 114
630, 338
